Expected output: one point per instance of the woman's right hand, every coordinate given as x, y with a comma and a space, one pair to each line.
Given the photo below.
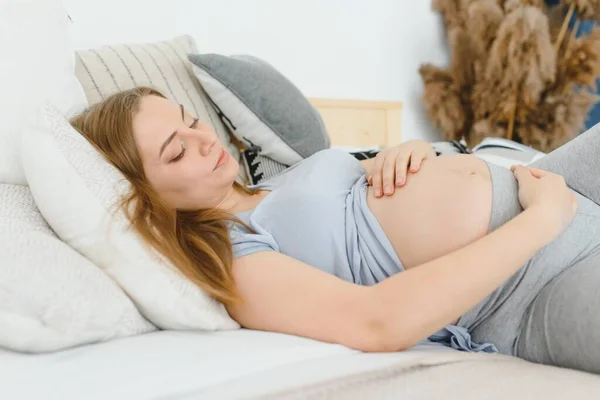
547, 192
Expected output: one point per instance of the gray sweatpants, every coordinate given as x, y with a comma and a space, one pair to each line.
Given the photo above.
549, 311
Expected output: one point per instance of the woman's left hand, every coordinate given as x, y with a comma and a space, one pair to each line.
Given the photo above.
391, 166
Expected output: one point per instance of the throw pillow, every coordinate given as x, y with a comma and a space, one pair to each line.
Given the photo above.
36, 63
77, 190
162, 65
263, 109
51, 297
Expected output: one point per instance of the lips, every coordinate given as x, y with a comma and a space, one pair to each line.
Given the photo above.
222, 158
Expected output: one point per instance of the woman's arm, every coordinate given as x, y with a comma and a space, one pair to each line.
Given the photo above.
281, 294
285, 295
418, 302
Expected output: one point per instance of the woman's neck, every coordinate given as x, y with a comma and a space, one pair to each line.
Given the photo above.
237, 201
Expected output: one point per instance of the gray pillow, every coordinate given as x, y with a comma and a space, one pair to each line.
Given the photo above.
262, 108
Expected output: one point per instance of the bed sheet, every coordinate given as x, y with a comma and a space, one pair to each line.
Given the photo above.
164, 364
248, 364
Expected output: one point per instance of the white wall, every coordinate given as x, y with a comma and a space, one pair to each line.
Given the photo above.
357, 49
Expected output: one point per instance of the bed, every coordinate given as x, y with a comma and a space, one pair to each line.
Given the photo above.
246, 364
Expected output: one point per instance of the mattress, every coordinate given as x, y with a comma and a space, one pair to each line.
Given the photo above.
250, 364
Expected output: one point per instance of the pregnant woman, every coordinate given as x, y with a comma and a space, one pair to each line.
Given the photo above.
377, 255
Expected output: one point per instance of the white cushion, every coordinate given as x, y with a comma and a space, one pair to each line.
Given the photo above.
76, 190
51, 297
37, 62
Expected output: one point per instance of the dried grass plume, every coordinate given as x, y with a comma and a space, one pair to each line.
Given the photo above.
512, 72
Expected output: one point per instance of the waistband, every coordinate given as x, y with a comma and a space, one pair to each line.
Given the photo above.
505, 196
505, 206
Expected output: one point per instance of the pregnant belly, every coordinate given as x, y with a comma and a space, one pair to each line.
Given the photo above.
443, 207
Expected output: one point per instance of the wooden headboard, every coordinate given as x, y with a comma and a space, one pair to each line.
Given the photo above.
359, 123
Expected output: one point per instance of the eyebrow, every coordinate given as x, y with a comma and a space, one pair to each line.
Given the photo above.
172, 135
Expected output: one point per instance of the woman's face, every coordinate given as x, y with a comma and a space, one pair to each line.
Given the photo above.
183, 158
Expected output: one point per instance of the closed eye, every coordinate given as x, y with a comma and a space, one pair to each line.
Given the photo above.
179, 156
182, 153
192, 126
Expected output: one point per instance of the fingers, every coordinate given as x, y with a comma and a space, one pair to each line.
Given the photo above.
522, 173
538, 173
415, 161
401, 167
404, 163
376, 175
389, 172
542, 174
390, 169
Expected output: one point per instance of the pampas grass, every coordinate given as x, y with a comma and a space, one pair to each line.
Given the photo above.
442, 101
509, 76
586, 9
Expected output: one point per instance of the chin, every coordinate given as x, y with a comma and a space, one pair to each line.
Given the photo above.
232, 169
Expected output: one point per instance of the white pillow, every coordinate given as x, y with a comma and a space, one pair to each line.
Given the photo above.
51, 297
37, 62
76, 190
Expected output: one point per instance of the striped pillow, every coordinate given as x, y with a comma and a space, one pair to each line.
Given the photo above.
162, 65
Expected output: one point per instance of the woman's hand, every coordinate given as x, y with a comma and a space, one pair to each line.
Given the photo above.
390, 166
548, 193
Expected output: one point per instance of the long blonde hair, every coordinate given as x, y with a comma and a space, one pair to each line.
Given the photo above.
196, 242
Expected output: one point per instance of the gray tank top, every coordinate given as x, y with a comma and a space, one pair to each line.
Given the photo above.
317, 212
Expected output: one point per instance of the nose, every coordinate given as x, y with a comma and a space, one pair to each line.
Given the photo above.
203, 137
207, 144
